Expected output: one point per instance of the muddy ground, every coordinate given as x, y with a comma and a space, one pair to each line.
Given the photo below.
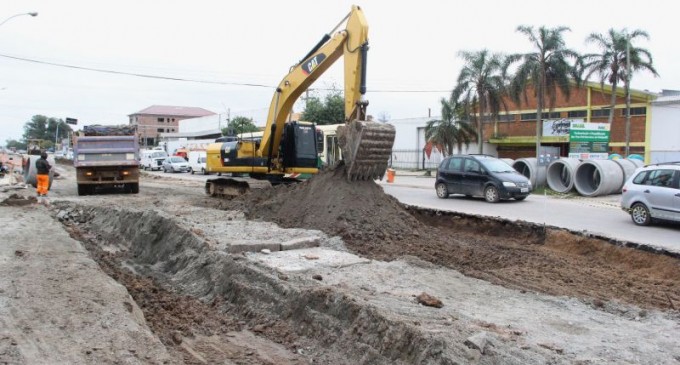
544, 296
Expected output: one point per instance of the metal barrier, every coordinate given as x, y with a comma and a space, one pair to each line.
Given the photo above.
415, 160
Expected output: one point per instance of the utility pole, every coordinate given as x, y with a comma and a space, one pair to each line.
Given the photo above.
56, 137
627, 95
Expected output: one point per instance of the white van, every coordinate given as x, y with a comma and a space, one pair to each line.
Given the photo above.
197, 162
152, 159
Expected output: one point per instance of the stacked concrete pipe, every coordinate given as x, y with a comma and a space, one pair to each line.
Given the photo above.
529, 168
560, 174
30, 170
603, 177
628, 166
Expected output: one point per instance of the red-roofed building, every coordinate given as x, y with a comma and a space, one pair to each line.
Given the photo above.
157, 119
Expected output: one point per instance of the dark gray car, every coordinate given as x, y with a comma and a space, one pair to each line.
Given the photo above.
480, 175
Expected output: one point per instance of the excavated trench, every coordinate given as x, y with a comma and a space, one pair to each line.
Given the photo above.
188, 288
199, 295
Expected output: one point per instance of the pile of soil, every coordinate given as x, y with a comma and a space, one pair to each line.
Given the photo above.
518, 255
358, 211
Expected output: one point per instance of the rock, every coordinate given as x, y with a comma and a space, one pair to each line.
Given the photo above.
428, 300
62, 215
317, 277
478, 341
266, 251
177, 337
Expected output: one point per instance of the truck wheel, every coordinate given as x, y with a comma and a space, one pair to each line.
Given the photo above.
83, 189
203, 171
134, 188
191, 170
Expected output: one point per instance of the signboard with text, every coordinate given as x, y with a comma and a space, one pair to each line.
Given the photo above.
589, 140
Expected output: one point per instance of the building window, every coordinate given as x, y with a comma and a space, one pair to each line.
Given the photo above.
160, 130
173, 129
577, 114
600, 113
161, 120
635, 111
553, 115
527, 116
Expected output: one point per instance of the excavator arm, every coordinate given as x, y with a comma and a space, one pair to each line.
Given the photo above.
366, 145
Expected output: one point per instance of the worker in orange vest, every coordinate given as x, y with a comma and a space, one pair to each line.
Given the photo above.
43, 174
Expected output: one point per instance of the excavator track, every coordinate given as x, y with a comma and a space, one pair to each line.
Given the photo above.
231, 187
366, 148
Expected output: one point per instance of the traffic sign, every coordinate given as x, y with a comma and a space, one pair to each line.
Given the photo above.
71, 121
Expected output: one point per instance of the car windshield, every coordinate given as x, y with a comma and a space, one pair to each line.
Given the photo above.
176, 159
494, 165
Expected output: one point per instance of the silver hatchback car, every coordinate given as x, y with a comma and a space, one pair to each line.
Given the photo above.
653, 192
175, 164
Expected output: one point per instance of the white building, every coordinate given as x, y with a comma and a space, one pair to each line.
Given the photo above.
663, 142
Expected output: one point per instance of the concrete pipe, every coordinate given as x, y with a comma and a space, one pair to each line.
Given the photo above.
628, 166
560, 174
598, 177
529, 168
30, 170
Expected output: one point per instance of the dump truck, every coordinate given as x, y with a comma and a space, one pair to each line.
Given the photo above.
106, 157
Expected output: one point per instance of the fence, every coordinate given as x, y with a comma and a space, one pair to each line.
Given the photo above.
415, 160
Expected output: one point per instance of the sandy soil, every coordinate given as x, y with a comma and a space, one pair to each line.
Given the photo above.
511, 292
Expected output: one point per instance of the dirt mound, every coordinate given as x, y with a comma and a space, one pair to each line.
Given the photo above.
356, 211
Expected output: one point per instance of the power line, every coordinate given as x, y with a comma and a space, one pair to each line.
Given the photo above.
171, 78
133, 73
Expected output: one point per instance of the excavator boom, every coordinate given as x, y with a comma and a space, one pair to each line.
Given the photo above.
290, 148
366, 145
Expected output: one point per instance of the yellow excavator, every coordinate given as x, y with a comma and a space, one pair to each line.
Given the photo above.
289, 148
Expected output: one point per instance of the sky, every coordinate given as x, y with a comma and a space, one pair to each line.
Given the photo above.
238, 51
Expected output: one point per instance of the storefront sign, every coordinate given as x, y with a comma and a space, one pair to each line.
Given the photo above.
589, 140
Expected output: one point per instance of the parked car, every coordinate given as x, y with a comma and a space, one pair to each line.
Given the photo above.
175, 164
480, 175
653, 193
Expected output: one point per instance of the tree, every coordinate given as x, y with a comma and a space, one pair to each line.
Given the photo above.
45, 128
610, 64
547, 68
480, 88
450, 131
16, 144
330, 111
239, 125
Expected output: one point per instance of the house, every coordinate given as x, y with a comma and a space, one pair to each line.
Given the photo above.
156, 119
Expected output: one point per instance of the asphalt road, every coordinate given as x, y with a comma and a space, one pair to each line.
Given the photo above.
597, 215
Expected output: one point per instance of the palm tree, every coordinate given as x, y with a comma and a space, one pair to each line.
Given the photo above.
610, 64
449, 131
480, 86
547, 68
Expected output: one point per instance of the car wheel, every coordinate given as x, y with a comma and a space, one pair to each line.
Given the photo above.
491, 194
165, 170
442, 191
640, 214
191, 170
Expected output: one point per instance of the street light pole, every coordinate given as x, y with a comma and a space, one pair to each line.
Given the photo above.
33, 13
627, 95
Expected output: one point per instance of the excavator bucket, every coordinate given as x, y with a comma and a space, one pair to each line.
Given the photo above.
366, 148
